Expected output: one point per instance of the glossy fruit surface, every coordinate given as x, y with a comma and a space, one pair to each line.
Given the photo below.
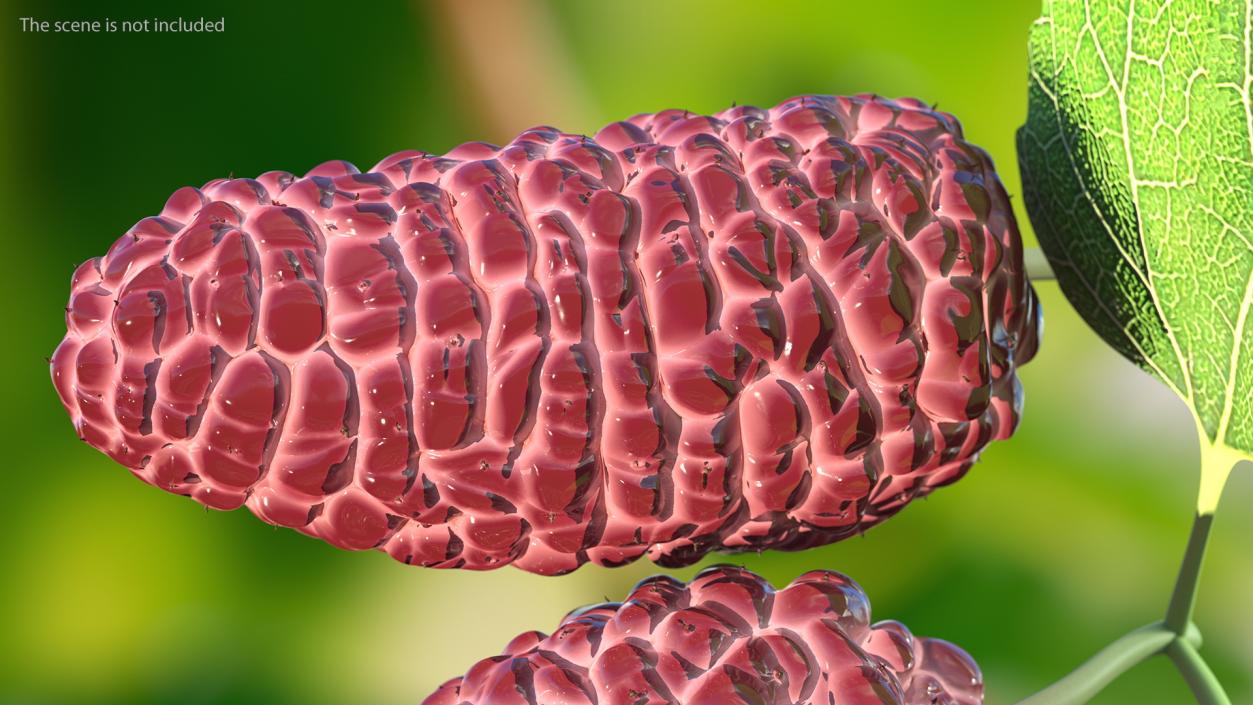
759, 329
727, 638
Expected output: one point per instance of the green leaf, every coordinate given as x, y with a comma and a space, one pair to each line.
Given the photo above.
1137, 165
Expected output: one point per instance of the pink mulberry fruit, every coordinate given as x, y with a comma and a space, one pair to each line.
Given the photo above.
758, 329
728, 638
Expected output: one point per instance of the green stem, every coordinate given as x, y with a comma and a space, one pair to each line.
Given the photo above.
1205, 686
1176, 636
1184, 597
1083, 683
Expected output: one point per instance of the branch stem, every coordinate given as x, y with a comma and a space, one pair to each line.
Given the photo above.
1204, 684
1083, 683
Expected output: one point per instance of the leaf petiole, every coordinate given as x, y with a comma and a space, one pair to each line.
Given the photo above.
1184, 597
1217, 462
1176, 636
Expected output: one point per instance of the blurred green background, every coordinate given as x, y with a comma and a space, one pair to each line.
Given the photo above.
113, 592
